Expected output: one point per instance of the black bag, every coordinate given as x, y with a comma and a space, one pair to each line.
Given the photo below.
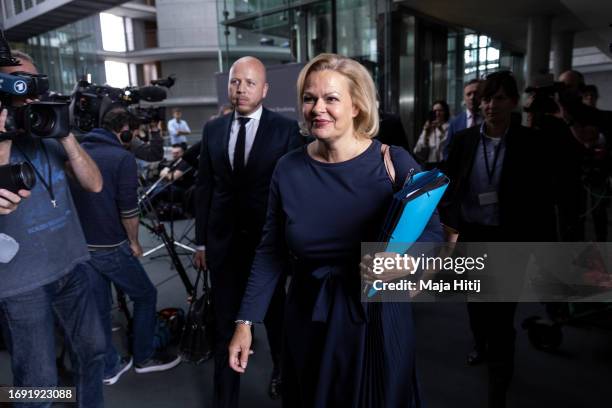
197, 340
169, 328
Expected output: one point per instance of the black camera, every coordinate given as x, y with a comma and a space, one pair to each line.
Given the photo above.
145, 116
91, 102
15, 177
548, 99
38, 118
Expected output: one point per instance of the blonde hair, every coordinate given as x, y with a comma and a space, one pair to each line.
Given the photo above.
361, 87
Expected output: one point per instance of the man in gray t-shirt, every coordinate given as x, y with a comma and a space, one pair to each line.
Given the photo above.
39, 284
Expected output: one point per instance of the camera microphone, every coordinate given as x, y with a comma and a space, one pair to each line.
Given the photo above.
152, 93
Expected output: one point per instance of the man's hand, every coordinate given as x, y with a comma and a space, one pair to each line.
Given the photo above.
199, 259
154, 126
5, 146
240, 348
136, 249
9, 201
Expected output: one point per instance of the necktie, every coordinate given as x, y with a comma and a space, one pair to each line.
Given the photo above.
474, 120
240, 144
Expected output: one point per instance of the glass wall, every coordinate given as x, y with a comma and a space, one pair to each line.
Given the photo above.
69, 52
414, 59
474, 55
303, 29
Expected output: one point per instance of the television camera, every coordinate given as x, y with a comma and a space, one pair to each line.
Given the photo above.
90, 102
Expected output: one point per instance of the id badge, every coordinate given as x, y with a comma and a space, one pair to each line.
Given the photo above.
487, 198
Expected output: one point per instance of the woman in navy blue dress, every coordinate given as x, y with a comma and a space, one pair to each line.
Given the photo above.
325, 199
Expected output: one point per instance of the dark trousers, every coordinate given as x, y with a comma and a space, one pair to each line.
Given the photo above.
493, 328
119, 266
228, 285
28, 324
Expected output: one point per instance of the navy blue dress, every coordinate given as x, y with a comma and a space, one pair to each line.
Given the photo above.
319, 213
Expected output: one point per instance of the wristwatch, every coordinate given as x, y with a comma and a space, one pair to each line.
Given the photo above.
247, 322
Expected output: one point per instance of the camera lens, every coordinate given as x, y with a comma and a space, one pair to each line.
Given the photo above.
41, 122
15, 177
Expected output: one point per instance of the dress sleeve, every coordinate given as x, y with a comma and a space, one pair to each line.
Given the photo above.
268, 263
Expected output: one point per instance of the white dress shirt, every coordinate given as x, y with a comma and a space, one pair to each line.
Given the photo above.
251, 130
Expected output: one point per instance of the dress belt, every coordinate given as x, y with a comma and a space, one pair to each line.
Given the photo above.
334, 285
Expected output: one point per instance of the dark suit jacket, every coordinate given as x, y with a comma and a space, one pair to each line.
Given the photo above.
455, 125
225, 207
527, 184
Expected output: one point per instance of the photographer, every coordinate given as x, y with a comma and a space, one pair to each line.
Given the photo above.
432, 141
110, 222
575, 132
39, 285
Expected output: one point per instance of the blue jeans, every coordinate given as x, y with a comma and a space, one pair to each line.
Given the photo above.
28, 323
119, 266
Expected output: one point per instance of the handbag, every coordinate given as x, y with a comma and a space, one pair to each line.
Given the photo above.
197, 339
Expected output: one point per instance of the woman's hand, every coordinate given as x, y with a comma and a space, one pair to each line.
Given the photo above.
371, 272
240, 348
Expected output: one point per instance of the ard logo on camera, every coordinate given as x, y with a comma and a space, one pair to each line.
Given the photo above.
20, 86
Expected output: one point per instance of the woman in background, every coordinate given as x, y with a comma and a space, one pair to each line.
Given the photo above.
431, 143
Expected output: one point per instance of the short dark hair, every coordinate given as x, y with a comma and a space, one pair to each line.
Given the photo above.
179, 145
445, 106
116, 119
591, 89
495, 81
472, 82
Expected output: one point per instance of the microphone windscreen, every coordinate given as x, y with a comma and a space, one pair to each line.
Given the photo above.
152, 93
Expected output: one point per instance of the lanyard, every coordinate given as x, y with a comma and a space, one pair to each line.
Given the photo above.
48, 186
491, 171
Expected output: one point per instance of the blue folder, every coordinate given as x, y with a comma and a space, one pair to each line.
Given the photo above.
410, 211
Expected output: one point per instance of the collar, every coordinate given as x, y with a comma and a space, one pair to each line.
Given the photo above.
102, 135
484, 133
254, 115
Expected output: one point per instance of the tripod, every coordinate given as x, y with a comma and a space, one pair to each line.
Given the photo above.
159, 229
145, 200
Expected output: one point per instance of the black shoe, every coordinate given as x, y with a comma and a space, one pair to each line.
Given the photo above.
476, 357
124, 365
158, 362
276, 382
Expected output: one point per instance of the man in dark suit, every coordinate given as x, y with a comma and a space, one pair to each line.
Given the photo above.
238, 154
501, 190
469, 117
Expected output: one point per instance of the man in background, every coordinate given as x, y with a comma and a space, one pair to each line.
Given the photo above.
178, 129
469, 117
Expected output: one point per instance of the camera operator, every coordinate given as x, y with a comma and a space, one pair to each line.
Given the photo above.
110, 222
151, 149
575, 132
40, 282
